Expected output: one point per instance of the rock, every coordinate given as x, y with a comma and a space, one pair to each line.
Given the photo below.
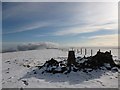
35, 72
39, 67
52, 62
7, 61
63, 69
75, 70
28, 66
115, 69
25, 82
100, 59
89, 70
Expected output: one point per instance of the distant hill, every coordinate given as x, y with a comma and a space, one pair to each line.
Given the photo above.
31, 46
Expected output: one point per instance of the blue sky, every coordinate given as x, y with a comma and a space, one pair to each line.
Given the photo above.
72, 24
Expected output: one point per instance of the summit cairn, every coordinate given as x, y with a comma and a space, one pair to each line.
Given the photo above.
86, 64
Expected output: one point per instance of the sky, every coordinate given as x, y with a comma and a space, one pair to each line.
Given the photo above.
65, 23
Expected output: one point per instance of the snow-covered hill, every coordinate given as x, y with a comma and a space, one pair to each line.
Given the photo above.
28, 46
18, 70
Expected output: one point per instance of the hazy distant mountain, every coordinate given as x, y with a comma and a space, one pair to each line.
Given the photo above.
31, 46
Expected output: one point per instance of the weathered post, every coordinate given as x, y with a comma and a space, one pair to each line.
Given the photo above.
77, 51
81, 51
91, 52
85, 51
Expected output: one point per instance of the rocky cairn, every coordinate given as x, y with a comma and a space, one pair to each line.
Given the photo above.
86, 64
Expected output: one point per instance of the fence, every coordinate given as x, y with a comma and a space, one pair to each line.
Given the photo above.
87, 51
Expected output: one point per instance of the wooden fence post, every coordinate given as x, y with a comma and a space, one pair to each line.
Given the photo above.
85, 51
81, 50
77, 51
91, 52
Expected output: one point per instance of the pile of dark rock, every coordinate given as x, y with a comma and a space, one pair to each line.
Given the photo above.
99, 60
53, 66
91, 63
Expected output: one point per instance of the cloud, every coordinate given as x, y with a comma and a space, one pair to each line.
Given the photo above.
85, 29
64, 29
104, 40
60, 15
61, 19
41, 35
20, 9
109, 40
29, 46
38, 9
29, 27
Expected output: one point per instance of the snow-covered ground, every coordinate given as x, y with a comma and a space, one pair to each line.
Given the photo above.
16, 73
